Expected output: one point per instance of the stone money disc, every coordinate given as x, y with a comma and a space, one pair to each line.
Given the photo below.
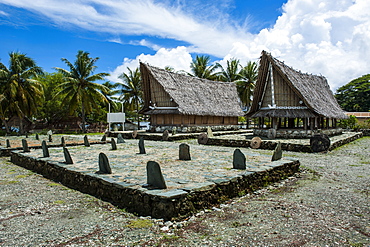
256, 142
203, 138
134, 134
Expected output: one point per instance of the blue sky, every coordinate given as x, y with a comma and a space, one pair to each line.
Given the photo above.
317, 36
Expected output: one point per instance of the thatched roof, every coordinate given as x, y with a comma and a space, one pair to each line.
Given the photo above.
313, 90
188, 95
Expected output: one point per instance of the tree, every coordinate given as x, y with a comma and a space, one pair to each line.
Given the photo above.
232, 71
246, 84
131, 91
52, 109
244, 78
79, 87
200, 68
22, 92
355, 95
110, 94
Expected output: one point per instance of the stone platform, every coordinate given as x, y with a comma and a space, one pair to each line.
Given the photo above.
206, 180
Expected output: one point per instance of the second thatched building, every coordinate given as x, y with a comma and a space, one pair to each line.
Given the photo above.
188, 103
291, 104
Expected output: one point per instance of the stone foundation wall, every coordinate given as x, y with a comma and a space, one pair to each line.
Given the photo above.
366, 132
285, 145
193, 129
296, 133
167, 205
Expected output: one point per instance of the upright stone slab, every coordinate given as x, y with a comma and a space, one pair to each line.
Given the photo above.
63, 141
141, 146
113, 143
8, 143
154, 175
209, 132
319, 143
165, 135
50, 138
67, 156
184, 152
174, 131
239, 160
37, 136
26, 149
104, 138
45, 150
120, 139
104, 167
86, 141
278, 152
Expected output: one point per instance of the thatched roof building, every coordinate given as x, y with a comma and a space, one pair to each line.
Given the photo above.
178, 100
284, 94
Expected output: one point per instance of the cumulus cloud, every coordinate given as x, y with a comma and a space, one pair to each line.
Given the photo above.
178, 58
316, 36
325, 37
321, 37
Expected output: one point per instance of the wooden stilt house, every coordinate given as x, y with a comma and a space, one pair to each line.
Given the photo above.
188, 103
288, 103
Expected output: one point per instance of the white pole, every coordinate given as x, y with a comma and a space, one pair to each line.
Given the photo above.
122, 107
109, 108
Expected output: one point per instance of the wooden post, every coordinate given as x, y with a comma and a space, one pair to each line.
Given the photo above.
274, 124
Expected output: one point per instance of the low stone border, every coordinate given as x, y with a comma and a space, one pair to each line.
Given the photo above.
285, 145
177, 137
6, 152
172, 204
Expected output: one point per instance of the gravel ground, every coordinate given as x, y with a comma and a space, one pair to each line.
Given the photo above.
327, 204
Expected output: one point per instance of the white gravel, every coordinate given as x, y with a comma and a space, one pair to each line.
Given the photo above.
327, 204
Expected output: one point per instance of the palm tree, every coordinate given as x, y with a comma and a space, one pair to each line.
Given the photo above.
131, 90
232, 72
245, 85
79, 85
22, 92
110, 94
200, 68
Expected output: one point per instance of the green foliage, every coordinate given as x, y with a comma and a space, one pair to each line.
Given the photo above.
244, 77
349, 123
131, 91
201, 68
79, 87
242, 119
355, 95
21, 92
52, 108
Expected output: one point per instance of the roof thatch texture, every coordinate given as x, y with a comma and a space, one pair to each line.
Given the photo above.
313, 90
190, 95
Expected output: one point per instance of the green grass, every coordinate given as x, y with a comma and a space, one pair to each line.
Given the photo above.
140, 223
59, 202
54, 184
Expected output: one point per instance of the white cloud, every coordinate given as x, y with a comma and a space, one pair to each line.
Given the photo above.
3, 13
178, 58
319, 37
325, 37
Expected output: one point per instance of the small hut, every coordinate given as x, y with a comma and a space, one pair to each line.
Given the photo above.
288, 103
188, 103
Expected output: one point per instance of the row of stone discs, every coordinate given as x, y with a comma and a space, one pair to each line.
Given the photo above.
319, 142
